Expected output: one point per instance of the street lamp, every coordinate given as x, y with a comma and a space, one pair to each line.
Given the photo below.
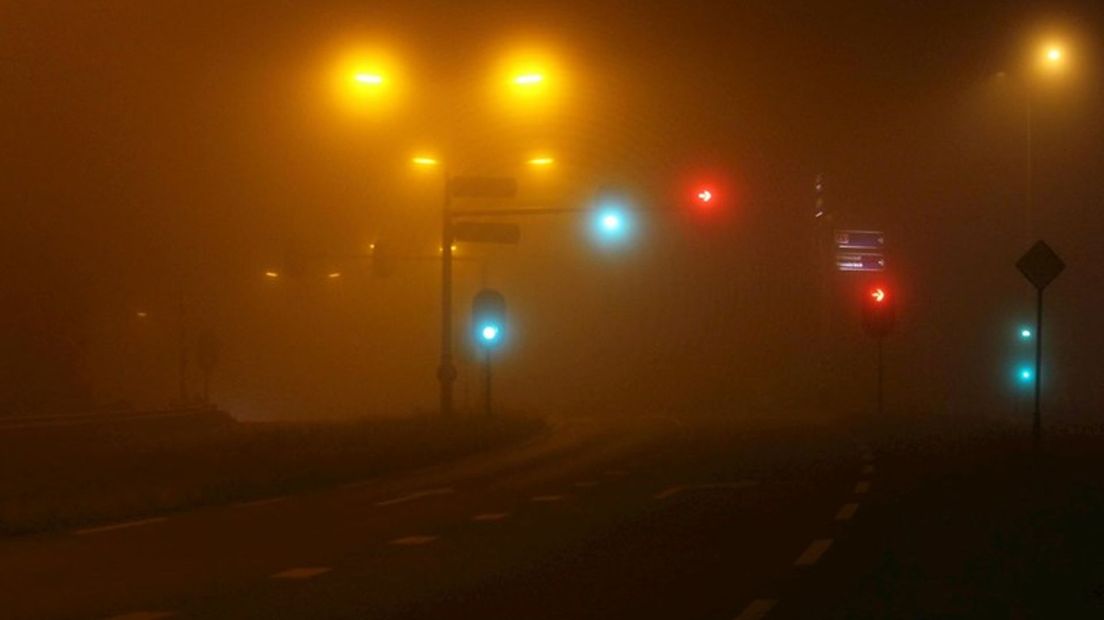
1051, 59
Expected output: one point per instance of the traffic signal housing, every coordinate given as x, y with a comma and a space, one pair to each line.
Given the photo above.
879, 311
489, 319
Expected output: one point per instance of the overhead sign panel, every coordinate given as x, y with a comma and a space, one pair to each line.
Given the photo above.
860, 261
486, 232
860, 239
482, 187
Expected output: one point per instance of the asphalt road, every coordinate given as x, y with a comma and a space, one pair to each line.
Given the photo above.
656, 518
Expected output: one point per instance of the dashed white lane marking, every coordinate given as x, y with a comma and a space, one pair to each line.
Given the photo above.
813, 552
675, 490
862, 487
415, 496
260, 502
491, 516
410, 541
868, 469
305, 572
546, 498
144, 615
757, 609
118, 526
586, 484
668, 492
846, 512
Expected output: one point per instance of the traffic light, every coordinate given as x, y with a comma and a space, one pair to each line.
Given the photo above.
705, 196
489, 318
382, 261
612, 223
879, 311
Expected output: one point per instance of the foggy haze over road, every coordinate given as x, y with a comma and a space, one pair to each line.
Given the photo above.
148, 163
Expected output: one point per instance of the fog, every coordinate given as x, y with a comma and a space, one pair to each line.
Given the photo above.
159, 158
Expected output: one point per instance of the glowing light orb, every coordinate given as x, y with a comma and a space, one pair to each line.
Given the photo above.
705, 195
878, 295
490, 333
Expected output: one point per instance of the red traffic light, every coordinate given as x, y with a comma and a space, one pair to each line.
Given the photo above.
705, 195
878, 295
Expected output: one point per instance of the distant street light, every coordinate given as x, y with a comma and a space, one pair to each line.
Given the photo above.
335, 275
528, 79
272, 275
541, 161
424, 161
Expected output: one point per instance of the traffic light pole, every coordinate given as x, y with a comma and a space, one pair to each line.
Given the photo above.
881, 378
487, 379
446, 372
1037, 423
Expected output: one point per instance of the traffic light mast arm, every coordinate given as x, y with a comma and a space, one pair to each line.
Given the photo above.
521, 211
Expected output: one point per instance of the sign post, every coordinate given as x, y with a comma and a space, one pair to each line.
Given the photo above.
1040, 265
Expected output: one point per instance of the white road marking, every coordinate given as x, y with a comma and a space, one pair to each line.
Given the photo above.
813, 552
415, 496
846, 512
118, 526
546, 498
260, 502
868, 469
862, 487
143, 615
305, 572
410, 541
586, 484
757, 609
668, 492
675, 490
491, 516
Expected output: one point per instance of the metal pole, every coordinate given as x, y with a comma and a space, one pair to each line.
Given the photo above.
487, 378
1037, 424
1030, 215
446, 372
881, 374
182, 366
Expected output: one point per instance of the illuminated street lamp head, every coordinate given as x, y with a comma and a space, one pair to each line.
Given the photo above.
528, 79
271, 275
1054, 54
368, 79
335, 275
541, 161
424, 161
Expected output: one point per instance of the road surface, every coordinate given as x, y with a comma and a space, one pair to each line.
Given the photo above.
653, 518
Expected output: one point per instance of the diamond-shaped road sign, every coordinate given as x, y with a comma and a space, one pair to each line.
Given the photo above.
1040, 265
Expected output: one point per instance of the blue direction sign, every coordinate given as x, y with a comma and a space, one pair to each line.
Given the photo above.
860, 239
860, 261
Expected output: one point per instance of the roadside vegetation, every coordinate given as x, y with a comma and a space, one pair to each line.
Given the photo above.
62, 478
